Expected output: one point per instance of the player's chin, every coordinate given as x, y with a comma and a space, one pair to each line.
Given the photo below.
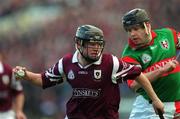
94, 57
136, 42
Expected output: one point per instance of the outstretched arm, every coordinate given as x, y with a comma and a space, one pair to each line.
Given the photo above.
153, 75
18, 106
129, 71
144, 82
35, 78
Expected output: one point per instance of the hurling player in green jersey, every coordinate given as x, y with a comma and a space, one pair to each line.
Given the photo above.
155, 50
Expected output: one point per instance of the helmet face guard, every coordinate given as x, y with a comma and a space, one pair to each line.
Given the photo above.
86, 37
134, 17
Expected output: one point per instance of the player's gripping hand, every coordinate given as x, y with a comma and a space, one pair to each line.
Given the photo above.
158, 106
19, 72
169, 66
20, 115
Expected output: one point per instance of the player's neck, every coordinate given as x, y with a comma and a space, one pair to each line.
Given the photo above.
82, 61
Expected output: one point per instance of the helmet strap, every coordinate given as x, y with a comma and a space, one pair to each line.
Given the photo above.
85, 57
148, 39
148, 31
80, 46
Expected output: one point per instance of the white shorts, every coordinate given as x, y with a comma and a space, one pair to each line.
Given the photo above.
66, 117
142, 109
7, 115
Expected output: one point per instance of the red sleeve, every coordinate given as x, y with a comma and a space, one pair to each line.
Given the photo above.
178, 40
176, 37
130, 60
129, 82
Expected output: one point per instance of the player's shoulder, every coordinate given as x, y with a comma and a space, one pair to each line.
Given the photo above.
6, 68
67, 59
165, 30
106, 54
108, 58
68, 55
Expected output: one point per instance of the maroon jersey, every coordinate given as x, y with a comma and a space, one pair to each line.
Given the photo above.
96, 92
9, 87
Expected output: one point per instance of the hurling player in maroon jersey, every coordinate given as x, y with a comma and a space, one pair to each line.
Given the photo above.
93, 76
11, 94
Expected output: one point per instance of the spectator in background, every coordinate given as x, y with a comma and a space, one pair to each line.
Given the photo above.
11, 95
93, 76
155, 51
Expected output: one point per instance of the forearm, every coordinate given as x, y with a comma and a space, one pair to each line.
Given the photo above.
146, 85
18, 105
19, 102
152, 76
157, 104
35, 78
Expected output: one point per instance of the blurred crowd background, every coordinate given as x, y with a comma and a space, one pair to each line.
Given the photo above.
37, 33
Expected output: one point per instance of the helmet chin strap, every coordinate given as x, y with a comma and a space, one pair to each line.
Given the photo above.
85, 57
148, 32
148, 38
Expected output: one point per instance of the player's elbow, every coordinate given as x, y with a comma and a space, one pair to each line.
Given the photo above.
134, 72
137, 69
134, 86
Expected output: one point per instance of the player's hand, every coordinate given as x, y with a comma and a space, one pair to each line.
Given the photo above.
19, 72
158, 106
20, 115
169, 66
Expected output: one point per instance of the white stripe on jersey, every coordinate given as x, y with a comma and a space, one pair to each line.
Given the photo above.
50, 72
51, 75
60, 69
115, 68
123, 73
120, 74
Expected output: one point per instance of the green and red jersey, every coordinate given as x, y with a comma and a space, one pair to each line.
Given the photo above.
162, 49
